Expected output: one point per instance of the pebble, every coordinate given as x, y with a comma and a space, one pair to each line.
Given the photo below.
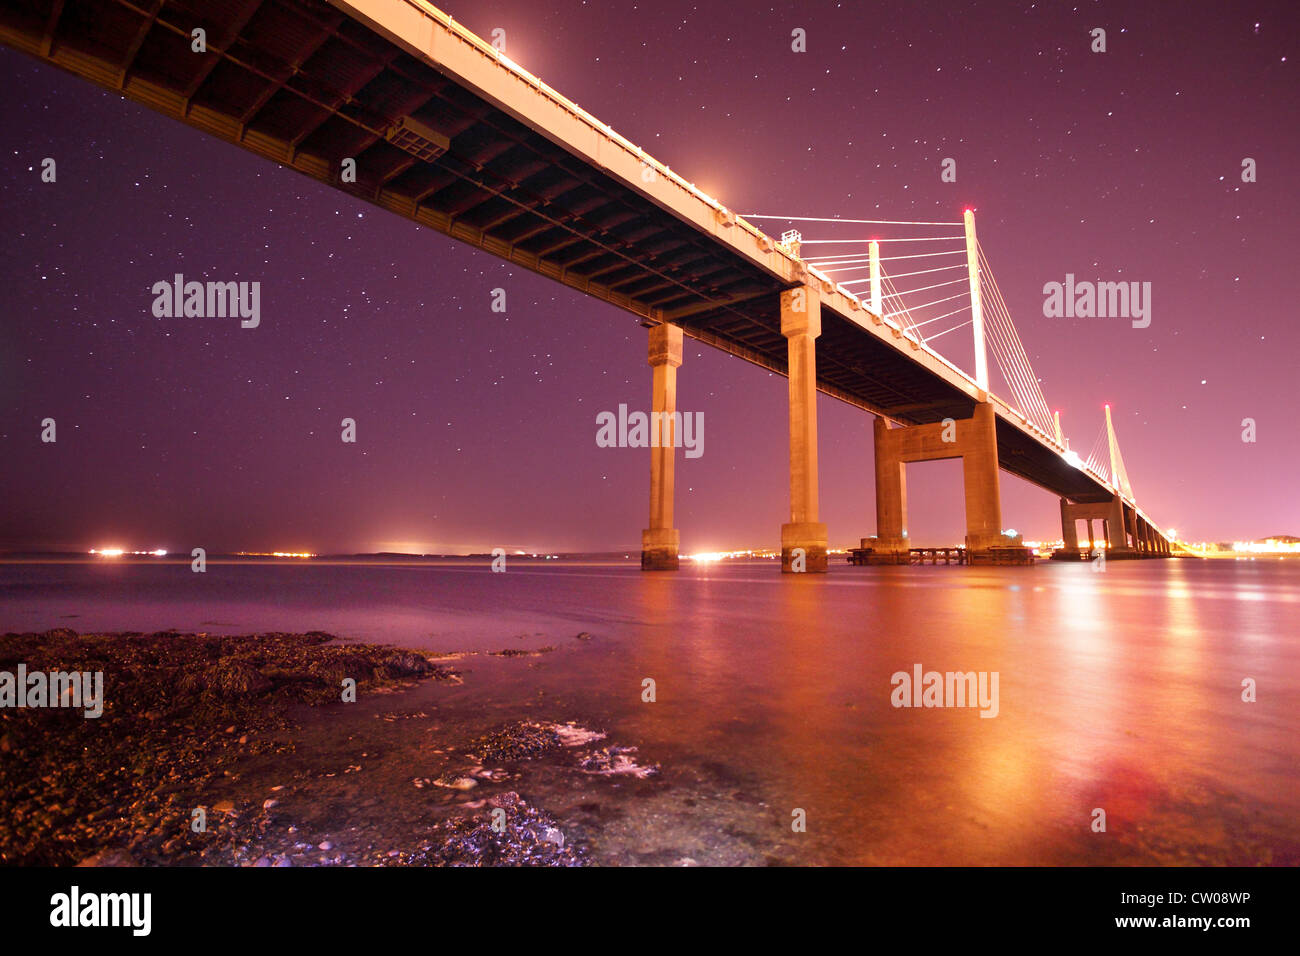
268, 804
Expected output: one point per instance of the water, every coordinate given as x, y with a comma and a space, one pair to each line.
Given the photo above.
1119, 690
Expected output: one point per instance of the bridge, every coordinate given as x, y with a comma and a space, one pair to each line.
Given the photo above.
394, 102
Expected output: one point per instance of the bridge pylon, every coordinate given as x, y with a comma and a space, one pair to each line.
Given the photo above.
976, 303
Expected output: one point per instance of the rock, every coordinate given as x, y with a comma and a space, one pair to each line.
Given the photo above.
456, 783
268, 804
583, 636
516, 741
325, 845
405, 664
110, 857
231, 678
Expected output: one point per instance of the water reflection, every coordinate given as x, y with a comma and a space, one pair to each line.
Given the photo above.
1118, 690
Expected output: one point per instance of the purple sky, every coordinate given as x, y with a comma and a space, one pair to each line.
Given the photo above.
477, 429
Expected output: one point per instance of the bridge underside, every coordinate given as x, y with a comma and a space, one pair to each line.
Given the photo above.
303, 83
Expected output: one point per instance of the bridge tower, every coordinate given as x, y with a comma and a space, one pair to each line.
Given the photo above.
873, 260
976, 310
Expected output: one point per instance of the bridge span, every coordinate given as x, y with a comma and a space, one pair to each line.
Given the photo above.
394, 102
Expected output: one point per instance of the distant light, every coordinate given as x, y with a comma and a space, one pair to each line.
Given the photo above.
160, 553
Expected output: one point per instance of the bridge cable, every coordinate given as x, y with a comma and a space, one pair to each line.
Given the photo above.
872, 222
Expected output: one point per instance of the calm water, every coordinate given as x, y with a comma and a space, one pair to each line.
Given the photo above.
1119, 690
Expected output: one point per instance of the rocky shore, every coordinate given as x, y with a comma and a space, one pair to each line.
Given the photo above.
183, 714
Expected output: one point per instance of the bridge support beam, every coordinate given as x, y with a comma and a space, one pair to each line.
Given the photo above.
660, 542
974, 441
803, 537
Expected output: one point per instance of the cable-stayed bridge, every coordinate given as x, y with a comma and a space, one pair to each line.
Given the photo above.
394, 102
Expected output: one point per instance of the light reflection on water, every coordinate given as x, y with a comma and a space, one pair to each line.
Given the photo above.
1119, 690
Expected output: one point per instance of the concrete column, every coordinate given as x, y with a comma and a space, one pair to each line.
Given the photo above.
660, 542
979, 463
801, 323
1069, 528
1092, 541
1116, 527
891, 492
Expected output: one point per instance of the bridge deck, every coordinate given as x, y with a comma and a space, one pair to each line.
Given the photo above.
451, 134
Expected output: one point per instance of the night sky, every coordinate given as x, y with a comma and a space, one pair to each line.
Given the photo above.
476, 429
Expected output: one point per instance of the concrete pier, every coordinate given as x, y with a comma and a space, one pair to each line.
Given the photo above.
801, 323
974, 441
1115, 520
1127, 533
660, 542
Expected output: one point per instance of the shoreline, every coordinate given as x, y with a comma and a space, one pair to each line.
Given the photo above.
176, 771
